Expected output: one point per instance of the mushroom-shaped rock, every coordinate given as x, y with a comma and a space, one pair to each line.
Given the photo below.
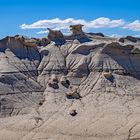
56, 36
77, 33
107, 74
41, 101
77, 29
73, 112
53, 84
73, 95
50, 83
64, 81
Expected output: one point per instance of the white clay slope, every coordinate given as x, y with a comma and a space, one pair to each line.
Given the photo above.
73, 91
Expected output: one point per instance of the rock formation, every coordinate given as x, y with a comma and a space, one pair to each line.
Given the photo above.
129, 38
72, 91
73, 112
77, 30
56, 36
42, 42
97, 34
77, 33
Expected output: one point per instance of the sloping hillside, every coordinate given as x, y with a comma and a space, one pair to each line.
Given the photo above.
77, 87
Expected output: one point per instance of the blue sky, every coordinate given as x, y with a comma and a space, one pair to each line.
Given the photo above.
15, 13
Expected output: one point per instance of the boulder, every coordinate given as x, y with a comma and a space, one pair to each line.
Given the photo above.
73, 112
64, 81
53, 84
107, 74
122, 40
73, 95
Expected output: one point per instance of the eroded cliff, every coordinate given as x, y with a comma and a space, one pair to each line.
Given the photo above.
77, 90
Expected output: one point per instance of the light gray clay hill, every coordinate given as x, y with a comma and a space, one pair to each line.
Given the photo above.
85, 86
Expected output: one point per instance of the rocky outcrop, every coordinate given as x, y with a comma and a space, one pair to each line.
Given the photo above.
78, 34
42, 42
129, 38
77, 30
132, 39
97, 34
56, 36
74, 91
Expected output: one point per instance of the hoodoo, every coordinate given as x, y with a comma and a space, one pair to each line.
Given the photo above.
77, 33
56, 36
77, 30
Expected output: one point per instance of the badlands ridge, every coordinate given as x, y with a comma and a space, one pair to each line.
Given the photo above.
85, 86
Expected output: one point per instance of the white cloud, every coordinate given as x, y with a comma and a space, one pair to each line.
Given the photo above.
134, 26
59, 24
105, 23
102, 22
54, 24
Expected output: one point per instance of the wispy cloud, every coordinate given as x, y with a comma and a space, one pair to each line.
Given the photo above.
102, 22
54, 24
59, 24
134, 26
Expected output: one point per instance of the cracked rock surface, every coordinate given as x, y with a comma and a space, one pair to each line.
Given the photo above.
74, 91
